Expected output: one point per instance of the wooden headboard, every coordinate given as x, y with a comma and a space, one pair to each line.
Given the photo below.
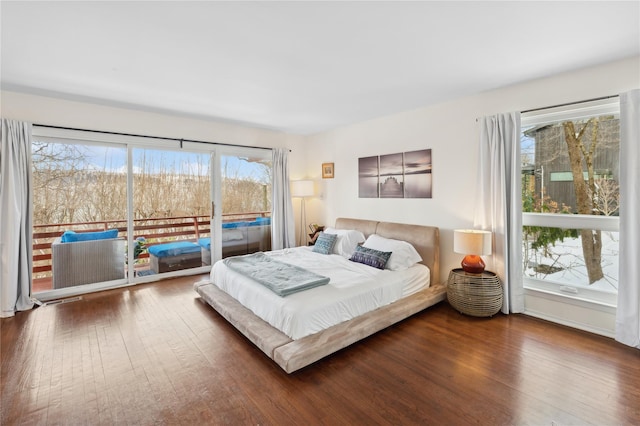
425, 239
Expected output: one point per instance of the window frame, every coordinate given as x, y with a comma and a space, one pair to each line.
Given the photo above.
609, 106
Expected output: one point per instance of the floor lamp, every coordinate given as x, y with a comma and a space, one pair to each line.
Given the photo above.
302, 189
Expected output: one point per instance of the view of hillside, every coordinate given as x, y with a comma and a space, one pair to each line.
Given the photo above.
78, 183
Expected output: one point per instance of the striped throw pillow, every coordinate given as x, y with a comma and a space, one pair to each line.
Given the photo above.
377, 259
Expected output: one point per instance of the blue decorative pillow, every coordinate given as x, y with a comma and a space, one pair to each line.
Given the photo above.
377, 259
72, 237
324, 243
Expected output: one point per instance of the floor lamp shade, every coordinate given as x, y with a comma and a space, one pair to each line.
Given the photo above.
302, 188
473, 244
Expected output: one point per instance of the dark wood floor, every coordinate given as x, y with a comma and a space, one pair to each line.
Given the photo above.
154, 354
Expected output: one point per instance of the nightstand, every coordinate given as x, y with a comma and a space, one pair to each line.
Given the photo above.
479, 295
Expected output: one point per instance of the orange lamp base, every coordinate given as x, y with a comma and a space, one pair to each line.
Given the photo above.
473, 264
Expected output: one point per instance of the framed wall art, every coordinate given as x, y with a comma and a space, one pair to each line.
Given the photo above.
327, 170
401, 175
368, 177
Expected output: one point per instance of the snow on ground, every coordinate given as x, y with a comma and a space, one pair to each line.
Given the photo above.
568, 256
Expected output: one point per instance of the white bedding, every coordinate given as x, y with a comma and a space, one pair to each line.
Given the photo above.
354, 289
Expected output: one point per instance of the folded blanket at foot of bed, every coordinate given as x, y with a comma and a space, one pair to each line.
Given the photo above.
281, 278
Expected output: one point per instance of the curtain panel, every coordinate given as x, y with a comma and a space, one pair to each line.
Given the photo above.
282, 221
499, 200
15, 218
628, 312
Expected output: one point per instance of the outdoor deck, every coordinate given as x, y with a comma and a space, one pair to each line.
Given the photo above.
154, 231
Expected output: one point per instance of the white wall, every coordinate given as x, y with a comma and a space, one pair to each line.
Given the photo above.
451, 131
58, 112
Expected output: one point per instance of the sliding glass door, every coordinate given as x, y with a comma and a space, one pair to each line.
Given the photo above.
79, 214
114, 210
245, 196
171, 210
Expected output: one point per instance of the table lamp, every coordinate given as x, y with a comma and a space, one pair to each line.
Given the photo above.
472, 243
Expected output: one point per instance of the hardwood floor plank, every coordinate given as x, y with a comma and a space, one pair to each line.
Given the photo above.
154, 354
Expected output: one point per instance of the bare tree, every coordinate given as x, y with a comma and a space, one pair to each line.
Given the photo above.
585, 191
606, 197
56, 169
68, 189
246, 193
589, 148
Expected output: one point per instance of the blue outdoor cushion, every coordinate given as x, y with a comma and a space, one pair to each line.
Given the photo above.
205, 243
174, 249
260, 221
72, 237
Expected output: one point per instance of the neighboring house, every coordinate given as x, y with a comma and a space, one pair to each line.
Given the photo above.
550, 175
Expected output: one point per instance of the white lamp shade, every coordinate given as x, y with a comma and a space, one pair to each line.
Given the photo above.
471, 241
302, 188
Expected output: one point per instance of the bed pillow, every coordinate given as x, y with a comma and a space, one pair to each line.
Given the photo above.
377, 259
403, 256
346, 242
324, 243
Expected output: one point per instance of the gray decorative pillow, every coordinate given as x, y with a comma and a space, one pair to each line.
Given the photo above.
324, 243
377, 259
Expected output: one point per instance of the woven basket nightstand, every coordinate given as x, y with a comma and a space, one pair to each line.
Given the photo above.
479, 295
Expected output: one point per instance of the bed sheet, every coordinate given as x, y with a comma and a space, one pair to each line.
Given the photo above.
353, 290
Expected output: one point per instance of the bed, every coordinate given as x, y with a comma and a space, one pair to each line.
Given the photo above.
292, 352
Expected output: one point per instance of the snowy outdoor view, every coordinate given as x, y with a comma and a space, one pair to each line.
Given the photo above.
570, 169
564, 263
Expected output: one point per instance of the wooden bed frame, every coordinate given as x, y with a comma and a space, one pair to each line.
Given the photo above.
292, 355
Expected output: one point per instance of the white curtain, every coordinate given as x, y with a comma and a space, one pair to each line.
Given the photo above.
282, 221
628, 312
15, 218
499, 202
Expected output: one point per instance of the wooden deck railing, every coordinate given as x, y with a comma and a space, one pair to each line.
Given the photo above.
155, 231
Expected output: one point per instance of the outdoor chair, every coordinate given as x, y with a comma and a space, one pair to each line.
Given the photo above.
87, 261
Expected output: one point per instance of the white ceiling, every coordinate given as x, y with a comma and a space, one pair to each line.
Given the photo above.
301, 67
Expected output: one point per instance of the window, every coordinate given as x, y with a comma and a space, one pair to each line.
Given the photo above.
570, 196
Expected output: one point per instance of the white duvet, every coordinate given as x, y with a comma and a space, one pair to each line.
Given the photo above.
353, 290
